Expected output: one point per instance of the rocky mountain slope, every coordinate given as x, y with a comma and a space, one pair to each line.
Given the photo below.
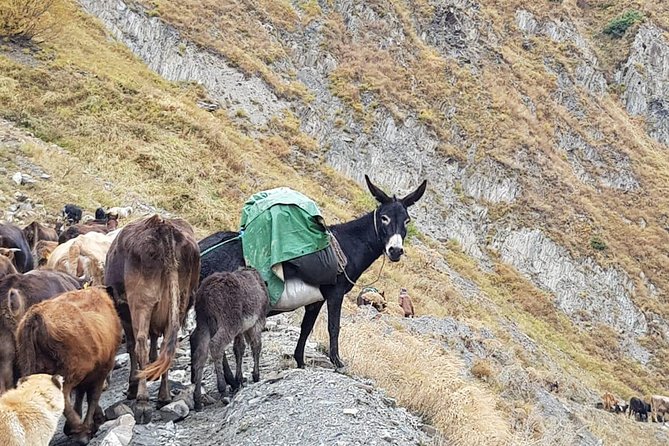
537, 252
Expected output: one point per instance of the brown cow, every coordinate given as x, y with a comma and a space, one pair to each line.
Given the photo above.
36, 231
608, 401
75, 335
6, 262
18, 292
659, 405
405, 303
152, 268
43, 251
82, 228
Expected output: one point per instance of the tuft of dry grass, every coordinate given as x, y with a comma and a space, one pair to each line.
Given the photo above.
426, 379
483, 369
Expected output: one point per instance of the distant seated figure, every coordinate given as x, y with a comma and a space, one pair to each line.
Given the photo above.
372, 296
405, 303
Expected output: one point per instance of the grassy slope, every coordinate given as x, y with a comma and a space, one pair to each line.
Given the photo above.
146, 136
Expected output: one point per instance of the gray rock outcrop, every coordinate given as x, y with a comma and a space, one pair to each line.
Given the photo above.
177, 59
645, 76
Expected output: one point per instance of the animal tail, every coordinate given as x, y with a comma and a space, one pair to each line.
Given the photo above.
73, 259
154, 370
31, 334
96, 268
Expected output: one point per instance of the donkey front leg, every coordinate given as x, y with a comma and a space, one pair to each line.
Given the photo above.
310, 315
334, 316
199, 347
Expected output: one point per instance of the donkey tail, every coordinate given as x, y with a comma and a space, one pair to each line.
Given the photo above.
154, 370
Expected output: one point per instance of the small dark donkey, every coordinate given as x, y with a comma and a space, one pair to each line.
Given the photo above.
228, 305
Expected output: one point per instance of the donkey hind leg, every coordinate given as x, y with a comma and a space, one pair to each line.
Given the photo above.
254, 338
143, 410
164, 396
239, 347
308, 320
217, 348
153, 348
199, 347
130, 348
227, 371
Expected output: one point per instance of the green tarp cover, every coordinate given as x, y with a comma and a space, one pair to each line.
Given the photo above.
279, 224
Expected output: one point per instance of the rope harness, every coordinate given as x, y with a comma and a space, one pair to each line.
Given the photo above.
219, 244
342, 261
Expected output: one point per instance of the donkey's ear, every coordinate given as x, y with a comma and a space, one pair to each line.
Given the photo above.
380, 196
414, 196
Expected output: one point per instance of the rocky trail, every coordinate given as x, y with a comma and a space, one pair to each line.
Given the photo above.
313, 406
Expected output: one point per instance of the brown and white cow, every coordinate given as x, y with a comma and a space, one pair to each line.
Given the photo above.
84, 256
609, 401
152, 270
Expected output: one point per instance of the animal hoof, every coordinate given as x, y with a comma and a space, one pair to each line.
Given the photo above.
342, 369
143, 412
163, 403
82, 439
256, 377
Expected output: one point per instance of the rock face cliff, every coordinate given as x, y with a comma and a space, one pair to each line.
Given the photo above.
402, 147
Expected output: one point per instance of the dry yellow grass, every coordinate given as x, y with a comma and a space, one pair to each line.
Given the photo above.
425, 378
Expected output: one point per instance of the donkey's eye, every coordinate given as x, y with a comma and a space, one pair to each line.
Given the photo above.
385, 219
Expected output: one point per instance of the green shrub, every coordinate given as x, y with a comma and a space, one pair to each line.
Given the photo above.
618, 26
597, 244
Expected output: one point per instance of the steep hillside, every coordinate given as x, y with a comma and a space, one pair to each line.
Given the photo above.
537, 254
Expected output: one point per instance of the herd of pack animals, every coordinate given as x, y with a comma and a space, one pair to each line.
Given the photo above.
69, 294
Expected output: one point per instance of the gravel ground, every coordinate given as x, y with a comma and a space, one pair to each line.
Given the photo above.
315, 406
